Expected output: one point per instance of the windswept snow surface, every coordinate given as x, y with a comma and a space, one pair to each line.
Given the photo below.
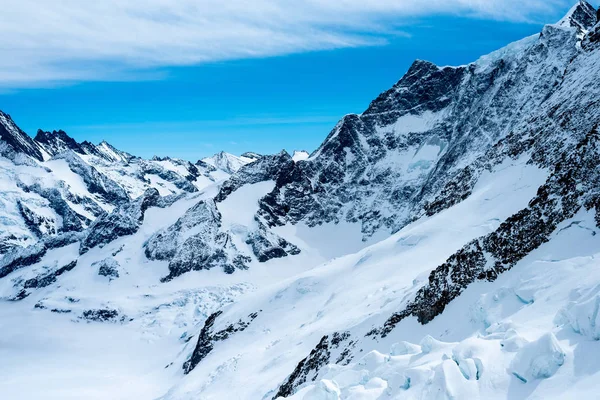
516, 338
47, 339
528, 334
460, 355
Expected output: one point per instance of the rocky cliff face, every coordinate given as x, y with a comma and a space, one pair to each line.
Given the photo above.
417, 141
536, 98
15, 141
56, 142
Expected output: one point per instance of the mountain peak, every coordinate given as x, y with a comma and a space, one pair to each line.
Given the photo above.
226, 162
56, 142
111, 153
582, 16
47, 136
16, 139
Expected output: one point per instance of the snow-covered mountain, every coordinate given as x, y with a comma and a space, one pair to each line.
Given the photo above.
228, 162
441, 245
51, 184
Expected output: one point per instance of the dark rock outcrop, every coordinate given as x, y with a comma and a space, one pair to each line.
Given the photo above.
183, 183
101, 315
56, 142
71, 221
264, 169
36, 223
208, 338
109, 268
43, 280
267, 246
124, 220
307, 369
18, 257
96, 182
17, 140
49, 278
207, 248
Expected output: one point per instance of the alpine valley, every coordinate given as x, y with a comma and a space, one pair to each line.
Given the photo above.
443, 244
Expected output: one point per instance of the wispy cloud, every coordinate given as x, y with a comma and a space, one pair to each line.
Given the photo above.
195, 125
50, 42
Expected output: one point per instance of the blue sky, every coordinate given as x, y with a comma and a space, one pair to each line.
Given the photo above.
264, 101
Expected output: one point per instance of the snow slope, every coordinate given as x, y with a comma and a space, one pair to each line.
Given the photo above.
153, 319
52, 184
346, 291
519, 337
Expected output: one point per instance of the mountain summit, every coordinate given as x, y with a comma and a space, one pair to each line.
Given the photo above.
14, 140
582, 16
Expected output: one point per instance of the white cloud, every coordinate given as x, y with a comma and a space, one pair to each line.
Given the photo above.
48, 42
